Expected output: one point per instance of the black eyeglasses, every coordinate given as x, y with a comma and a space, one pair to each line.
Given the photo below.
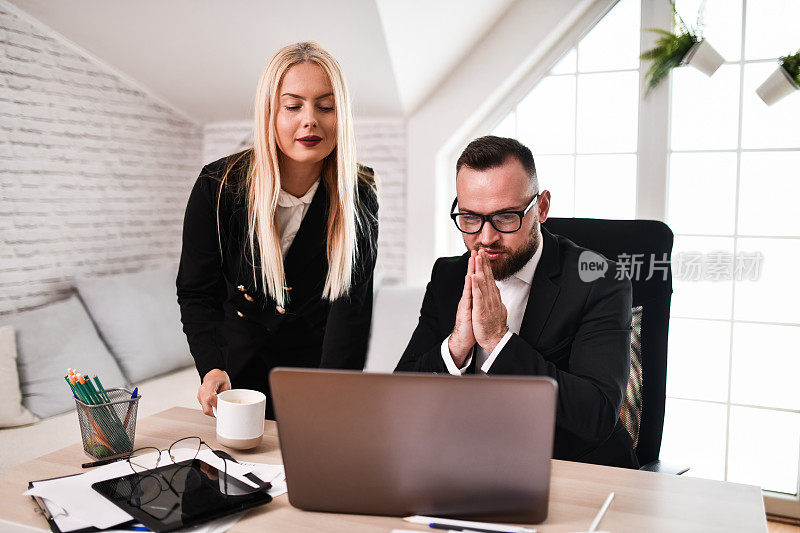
181, 453
149, 458
502, 221
144, 461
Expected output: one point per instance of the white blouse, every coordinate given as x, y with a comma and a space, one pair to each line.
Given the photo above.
290, 213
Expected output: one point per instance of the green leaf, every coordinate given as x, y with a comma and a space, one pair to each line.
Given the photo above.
791, 63
662, 32
669, 50
655, 53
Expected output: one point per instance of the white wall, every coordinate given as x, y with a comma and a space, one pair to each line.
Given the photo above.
223, 138
438, 128
205, 56
133, 155
381, 144
94, 173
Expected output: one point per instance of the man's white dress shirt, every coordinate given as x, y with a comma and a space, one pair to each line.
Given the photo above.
514, 292
290, 213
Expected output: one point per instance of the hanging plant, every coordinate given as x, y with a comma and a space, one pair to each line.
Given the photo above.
675, 49
669, 52
784, 81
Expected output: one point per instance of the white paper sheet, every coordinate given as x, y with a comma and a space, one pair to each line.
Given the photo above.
272, 473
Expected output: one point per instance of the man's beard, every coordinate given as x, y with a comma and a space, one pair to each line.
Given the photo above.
514, 261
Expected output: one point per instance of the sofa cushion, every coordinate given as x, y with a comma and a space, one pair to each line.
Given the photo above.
50, 340
12, 412
138, 317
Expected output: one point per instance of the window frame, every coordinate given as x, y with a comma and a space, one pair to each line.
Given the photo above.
450, 243
775, 503
653, 143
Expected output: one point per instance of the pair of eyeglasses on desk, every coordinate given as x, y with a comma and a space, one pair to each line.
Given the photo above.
186, 475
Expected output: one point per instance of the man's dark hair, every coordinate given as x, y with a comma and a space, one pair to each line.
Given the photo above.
489, 152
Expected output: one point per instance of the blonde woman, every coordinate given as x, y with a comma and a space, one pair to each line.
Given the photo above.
279, 240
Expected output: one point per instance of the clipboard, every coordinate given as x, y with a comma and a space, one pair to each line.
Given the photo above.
130, 525
42, 509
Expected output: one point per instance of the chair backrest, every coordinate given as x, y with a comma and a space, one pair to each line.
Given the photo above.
631, 412
642, 245
395, 313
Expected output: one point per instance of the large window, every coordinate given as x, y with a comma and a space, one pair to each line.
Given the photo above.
728, 190
581, 119
733, 410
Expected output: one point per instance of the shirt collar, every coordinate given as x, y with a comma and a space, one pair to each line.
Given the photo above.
529, 269
287, 200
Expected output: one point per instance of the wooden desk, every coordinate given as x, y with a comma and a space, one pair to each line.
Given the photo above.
644, 502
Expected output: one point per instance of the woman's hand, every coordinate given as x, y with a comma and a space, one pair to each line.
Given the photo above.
214, 382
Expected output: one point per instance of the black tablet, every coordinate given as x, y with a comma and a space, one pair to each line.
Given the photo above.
181, 495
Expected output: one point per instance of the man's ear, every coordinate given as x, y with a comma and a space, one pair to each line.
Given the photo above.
544, 205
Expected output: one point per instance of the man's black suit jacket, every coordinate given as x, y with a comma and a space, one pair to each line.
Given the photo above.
228, 321
576, 332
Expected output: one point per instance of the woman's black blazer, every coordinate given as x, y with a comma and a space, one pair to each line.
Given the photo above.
228, 321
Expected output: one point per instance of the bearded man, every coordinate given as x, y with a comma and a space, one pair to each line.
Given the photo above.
515, 304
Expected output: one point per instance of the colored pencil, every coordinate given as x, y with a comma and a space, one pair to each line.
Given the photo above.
98, 433
104, 396
103, 418
101, 388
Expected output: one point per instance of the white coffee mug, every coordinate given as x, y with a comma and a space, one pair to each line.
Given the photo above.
240, 418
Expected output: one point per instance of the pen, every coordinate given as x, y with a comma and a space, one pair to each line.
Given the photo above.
465, 525
102, 462
409, 530
130, 406
446, 527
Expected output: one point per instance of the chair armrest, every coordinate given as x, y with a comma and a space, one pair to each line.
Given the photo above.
664, 468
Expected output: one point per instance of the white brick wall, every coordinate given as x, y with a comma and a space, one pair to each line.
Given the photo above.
381, 144
94, 173
223, 138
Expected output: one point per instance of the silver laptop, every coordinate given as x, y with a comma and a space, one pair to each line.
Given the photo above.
470, 447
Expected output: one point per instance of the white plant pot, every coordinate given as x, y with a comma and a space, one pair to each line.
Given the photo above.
704, 58
778, 85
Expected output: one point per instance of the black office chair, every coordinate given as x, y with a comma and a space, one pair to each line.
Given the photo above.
641, 244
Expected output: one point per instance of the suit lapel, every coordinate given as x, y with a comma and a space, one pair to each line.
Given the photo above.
544, 290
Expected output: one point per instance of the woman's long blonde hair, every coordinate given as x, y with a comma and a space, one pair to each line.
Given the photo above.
339, 172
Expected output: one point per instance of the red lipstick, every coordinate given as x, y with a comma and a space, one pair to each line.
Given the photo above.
309, 141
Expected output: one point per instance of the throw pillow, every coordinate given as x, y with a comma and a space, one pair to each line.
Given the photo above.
50, 340
12, 413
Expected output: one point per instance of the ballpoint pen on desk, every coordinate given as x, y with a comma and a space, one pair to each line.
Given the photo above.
466, 525
416, 530
465, 529
104, 462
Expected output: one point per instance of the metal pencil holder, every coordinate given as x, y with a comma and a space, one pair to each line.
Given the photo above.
108, 429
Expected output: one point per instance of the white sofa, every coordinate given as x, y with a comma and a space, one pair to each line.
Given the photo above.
21, 444
395, 314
